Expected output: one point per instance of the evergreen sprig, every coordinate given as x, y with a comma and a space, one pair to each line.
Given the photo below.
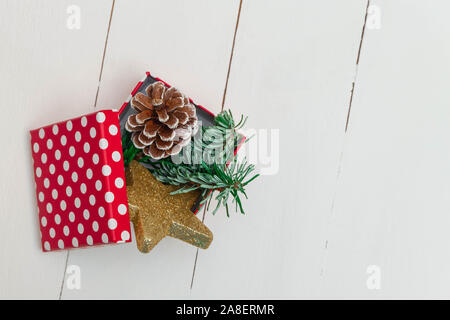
211, 166
228, 180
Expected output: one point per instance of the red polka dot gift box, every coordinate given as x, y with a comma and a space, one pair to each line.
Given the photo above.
80, 182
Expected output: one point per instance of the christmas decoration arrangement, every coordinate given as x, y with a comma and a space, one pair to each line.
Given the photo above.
154, 162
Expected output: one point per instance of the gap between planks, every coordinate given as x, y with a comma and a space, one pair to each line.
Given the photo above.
95, 105
341, 156
231, 54
223, 104
64, 276
356, 68
196, 251
104, 52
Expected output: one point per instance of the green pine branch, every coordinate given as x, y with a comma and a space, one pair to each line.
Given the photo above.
217, 179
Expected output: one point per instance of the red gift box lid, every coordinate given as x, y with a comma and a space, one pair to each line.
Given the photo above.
80, 182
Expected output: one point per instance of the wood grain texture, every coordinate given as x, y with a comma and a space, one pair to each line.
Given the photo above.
339, 201
392, 204
293, 67
48, 73
188, 44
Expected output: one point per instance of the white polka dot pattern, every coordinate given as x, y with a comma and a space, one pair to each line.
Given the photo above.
80, 182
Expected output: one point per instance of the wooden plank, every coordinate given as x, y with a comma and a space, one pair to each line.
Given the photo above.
48, 73
188, 44
392, 205
292, 70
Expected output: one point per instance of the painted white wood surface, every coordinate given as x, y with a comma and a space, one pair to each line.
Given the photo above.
48, 73
341, 202
292, 70
392, 204
188, 44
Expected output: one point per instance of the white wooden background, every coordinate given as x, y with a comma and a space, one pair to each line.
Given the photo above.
364, 148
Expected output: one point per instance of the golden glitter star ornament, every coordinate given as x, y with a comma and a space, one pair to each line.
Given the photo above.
156, 213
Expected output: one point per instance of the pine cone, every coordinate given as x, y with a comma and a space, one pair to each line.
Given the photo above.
165, 121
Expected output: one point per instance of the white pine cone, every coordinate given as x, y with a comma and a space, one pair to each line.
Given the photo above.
165, 121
